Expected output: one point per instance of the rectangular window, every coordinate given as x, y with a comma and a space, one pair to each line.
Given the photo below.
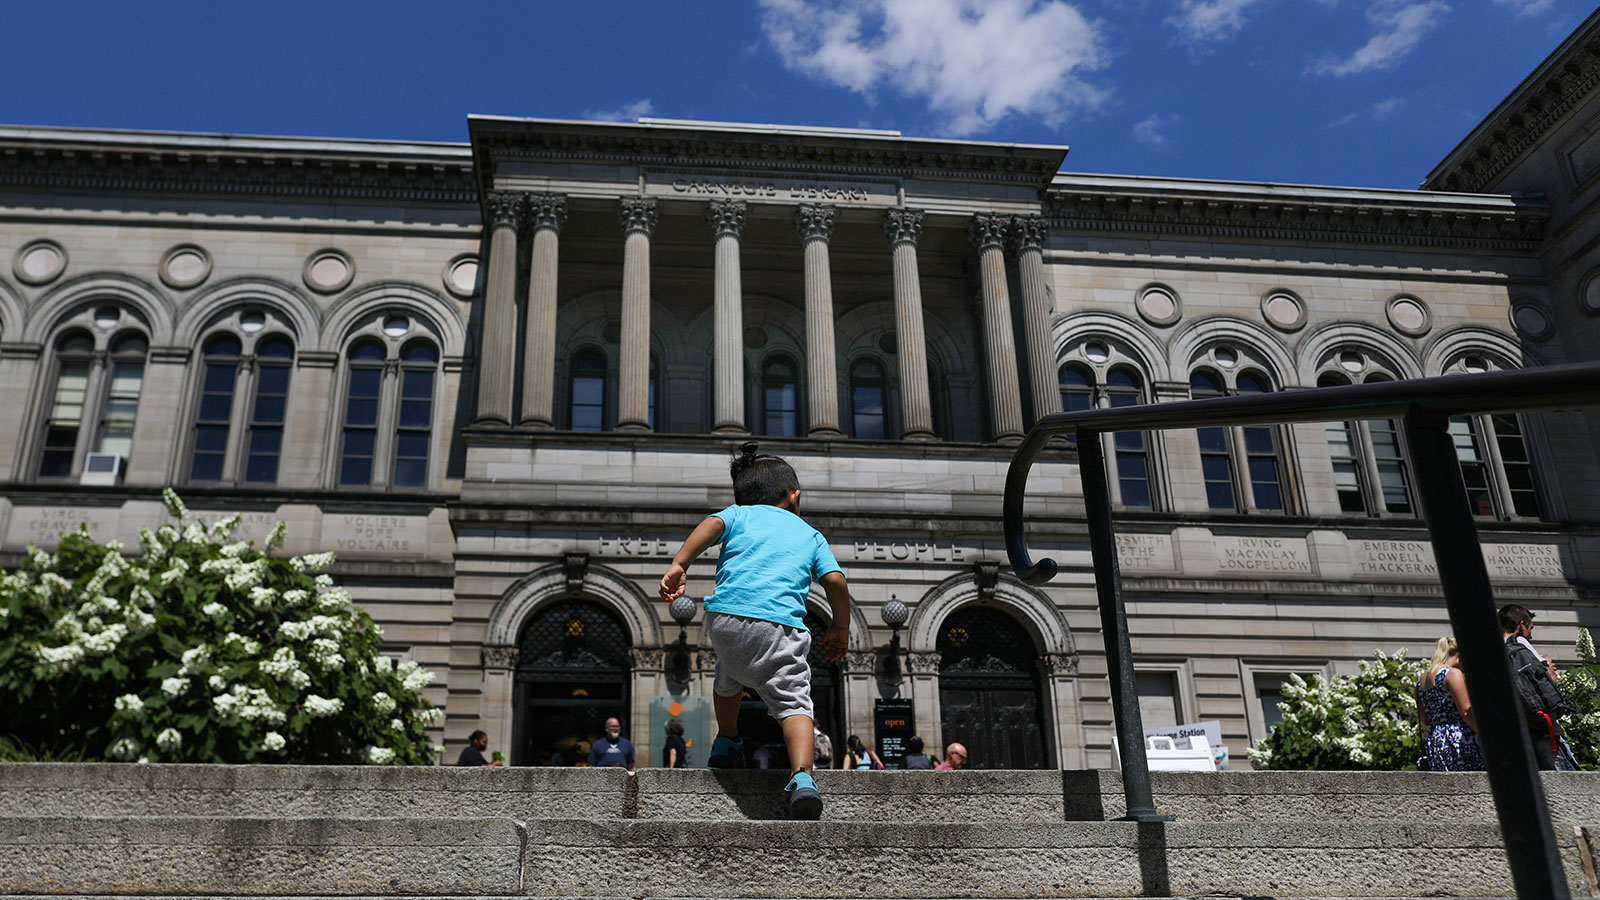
1133, 469
211, 423
780, 410
1158, 699
1261, 453
266, 424
1392, 476
1269, 693
66, 418
122, 403
1474, 466
1216, 468
1517, 466
1346, 466
588, 403
360, 426
415, 429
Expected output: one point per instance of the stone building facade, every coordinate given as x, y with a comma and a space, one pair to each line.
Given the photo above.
503, 379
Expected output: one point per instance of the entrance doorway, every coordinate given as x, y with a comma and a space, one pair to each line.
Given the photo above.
572, 675
758, 728
989, 696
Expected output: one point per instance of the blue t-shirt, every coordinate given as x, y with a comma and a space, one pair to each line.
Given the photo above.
769, 558
603, 753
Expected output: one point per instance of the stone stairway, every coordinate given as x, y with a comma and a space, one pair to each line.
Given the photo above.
303, 831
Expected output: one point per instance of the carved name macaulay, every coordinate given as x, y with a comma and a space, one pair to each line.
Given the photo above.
1263, 554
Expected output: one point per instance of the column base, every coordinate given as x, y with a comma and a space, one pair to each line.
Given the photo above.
491, 422
1011, 438
537, 424
730, 428
635, 427
827, 432
921, 435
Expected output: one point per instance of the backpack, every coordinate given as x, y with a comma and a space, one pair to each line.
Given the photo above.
1535, 691
822, 751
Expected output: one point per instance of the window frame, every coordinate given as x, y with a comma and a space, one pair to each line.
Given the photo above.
1098, 356
267, 324
607, 377
1491, 441
1250, 672
888, 431
101, 363
1369, 465
392, 368
1236, 448
796, 385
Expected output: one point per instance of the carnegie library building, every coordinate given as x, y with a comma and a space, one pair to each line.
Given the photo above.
503, 380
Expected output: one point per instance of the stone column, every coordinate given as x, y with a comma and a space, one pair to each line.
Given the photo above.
727, 223
903, 227
1036, 313
546, 213
498, 358
633, 389
988, 233
822, 378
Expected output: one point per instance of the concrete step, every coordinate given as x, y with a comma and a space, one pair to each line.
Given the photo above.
119, 789
473, 856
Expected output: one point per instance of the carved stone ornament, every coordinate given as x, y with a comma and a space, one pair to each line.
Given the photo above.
814, 220
989, 230
860, 662
902, 225
924, 662
1029, 232
646, 658
987, 574
505, 208
547, 211
637, 214
499, 657
1059, 664
577, 567
707, 660
726, 217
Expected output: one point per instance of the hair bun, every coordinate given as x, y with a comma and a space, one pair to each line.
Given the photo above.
749, 448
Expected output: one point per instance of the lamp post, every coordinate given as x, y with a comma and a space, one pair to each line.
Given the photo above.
895, 614
682, 610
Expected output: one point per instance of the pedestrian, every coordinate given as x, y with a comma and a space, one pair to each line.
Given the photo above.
955, 757
612, 749
860, 756
1449, 729
472, 754
675, 754
915, 758
1534, 678
822, 749
755, 617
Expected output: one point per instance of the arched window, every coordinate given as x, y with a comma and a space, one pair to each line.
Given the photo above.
219, 376
587, 391
1495, 464
389, 411
1077, 388
63, 428
363, 393
1253, 450
780, 413
866, 400
1370, 472
1124, 388
128, 353
274, 360
1098, 375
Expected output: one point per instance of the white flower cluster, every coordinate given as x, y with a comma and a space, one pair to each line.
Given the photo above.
54, 661
247, 704
319, 707
313, 562
273, 742
397, 725
413, 676
194, 659
262, 598
174, 504
169, 740
378, 756
1585, 645
276, 537
217, 683
295, 631
285, 668
245, 645
430, 715
215, 610
105, 641
327, 626
177, 570
174, 687
324, 654
130, 704
383, 703
125, 750
334, 599
296, 597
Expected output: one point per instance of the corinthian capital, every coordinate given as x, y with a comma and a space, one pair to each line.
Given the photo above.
547, 211
1030, 232
637, 214
902, 225
814, 221
505, 208
988, 230
726, 217
499, 657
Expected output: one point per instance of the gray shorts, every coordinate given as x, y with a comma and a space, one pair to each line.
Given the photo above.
766, 656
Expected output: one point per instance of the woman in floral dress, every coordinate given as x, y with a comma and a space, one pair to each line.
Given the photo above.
1448, 729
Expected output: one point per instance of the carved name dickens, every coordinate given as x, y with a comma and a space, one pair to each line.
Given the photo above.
1287, 556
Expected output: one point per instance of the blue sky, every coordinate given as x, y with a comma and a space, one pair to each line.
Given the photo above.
1366, 93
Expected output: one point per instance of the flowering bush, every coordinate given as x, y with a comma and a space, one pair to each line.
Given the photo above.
199, 650
1580, 685
1365, 721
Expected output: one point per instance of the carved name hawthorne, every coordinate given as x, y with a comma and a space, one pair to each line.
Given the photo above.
1518, 561
1144, 552
1275, 555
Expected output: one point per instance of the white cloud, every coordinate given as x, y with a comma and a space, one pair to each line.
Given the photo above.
1201, 23
1527, 7
1403, 26
1151, 130
1387, 107
627, 112
972, 62
1344, 120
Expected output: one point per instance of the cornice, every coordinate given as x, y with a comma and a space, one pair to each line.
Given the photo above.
1562, 82
1502, 227
193, 168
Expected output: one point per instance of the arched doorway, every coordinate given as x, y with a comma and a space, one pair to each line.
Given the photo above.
989, 696
572, 675
758, 728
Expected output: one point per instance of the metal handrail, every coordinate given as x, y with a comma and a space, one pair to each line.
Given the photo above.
1425, 407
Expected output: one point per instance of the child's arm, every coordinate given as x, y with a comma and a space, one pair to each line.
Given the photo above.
837, 638
675, 582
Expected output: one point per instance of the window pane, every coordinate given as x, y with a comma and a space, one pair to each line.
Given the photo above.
266, 416
219, 378
216, 412
412, 444
355, 470
1158, 698
588, 403
269, 409
415, 413
867, 402
122, 404
1392, 475
1474, 467
1219, 495
275, 348
410, 472
419, 352
66, 419
417, 384
1518, 468
207, 466
1213, 440
1258, 440
359, 443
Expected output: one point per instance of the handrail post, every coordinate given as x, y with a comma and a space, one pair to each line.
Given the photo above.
1513, 778
1114, 628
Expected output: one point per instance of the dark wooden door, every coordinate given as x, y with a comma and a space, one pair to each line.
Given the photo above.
572, 675
989, 695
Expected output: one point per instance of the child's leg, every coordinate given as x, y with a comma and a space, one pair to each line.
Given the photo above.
727, 709
800, 738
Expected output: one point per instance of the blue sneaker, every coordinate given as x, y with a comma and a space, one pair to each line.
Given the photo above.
726, 753
805, 802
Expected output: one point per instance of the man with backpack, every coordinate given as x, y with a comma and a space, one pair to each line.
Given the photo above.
1534, 679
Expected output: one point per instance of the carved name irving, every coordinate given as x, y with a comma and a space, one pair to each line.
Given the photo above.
1263, 554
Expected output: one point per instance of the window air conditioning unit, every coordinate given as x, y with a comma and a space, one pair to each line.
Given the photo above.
102, 468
